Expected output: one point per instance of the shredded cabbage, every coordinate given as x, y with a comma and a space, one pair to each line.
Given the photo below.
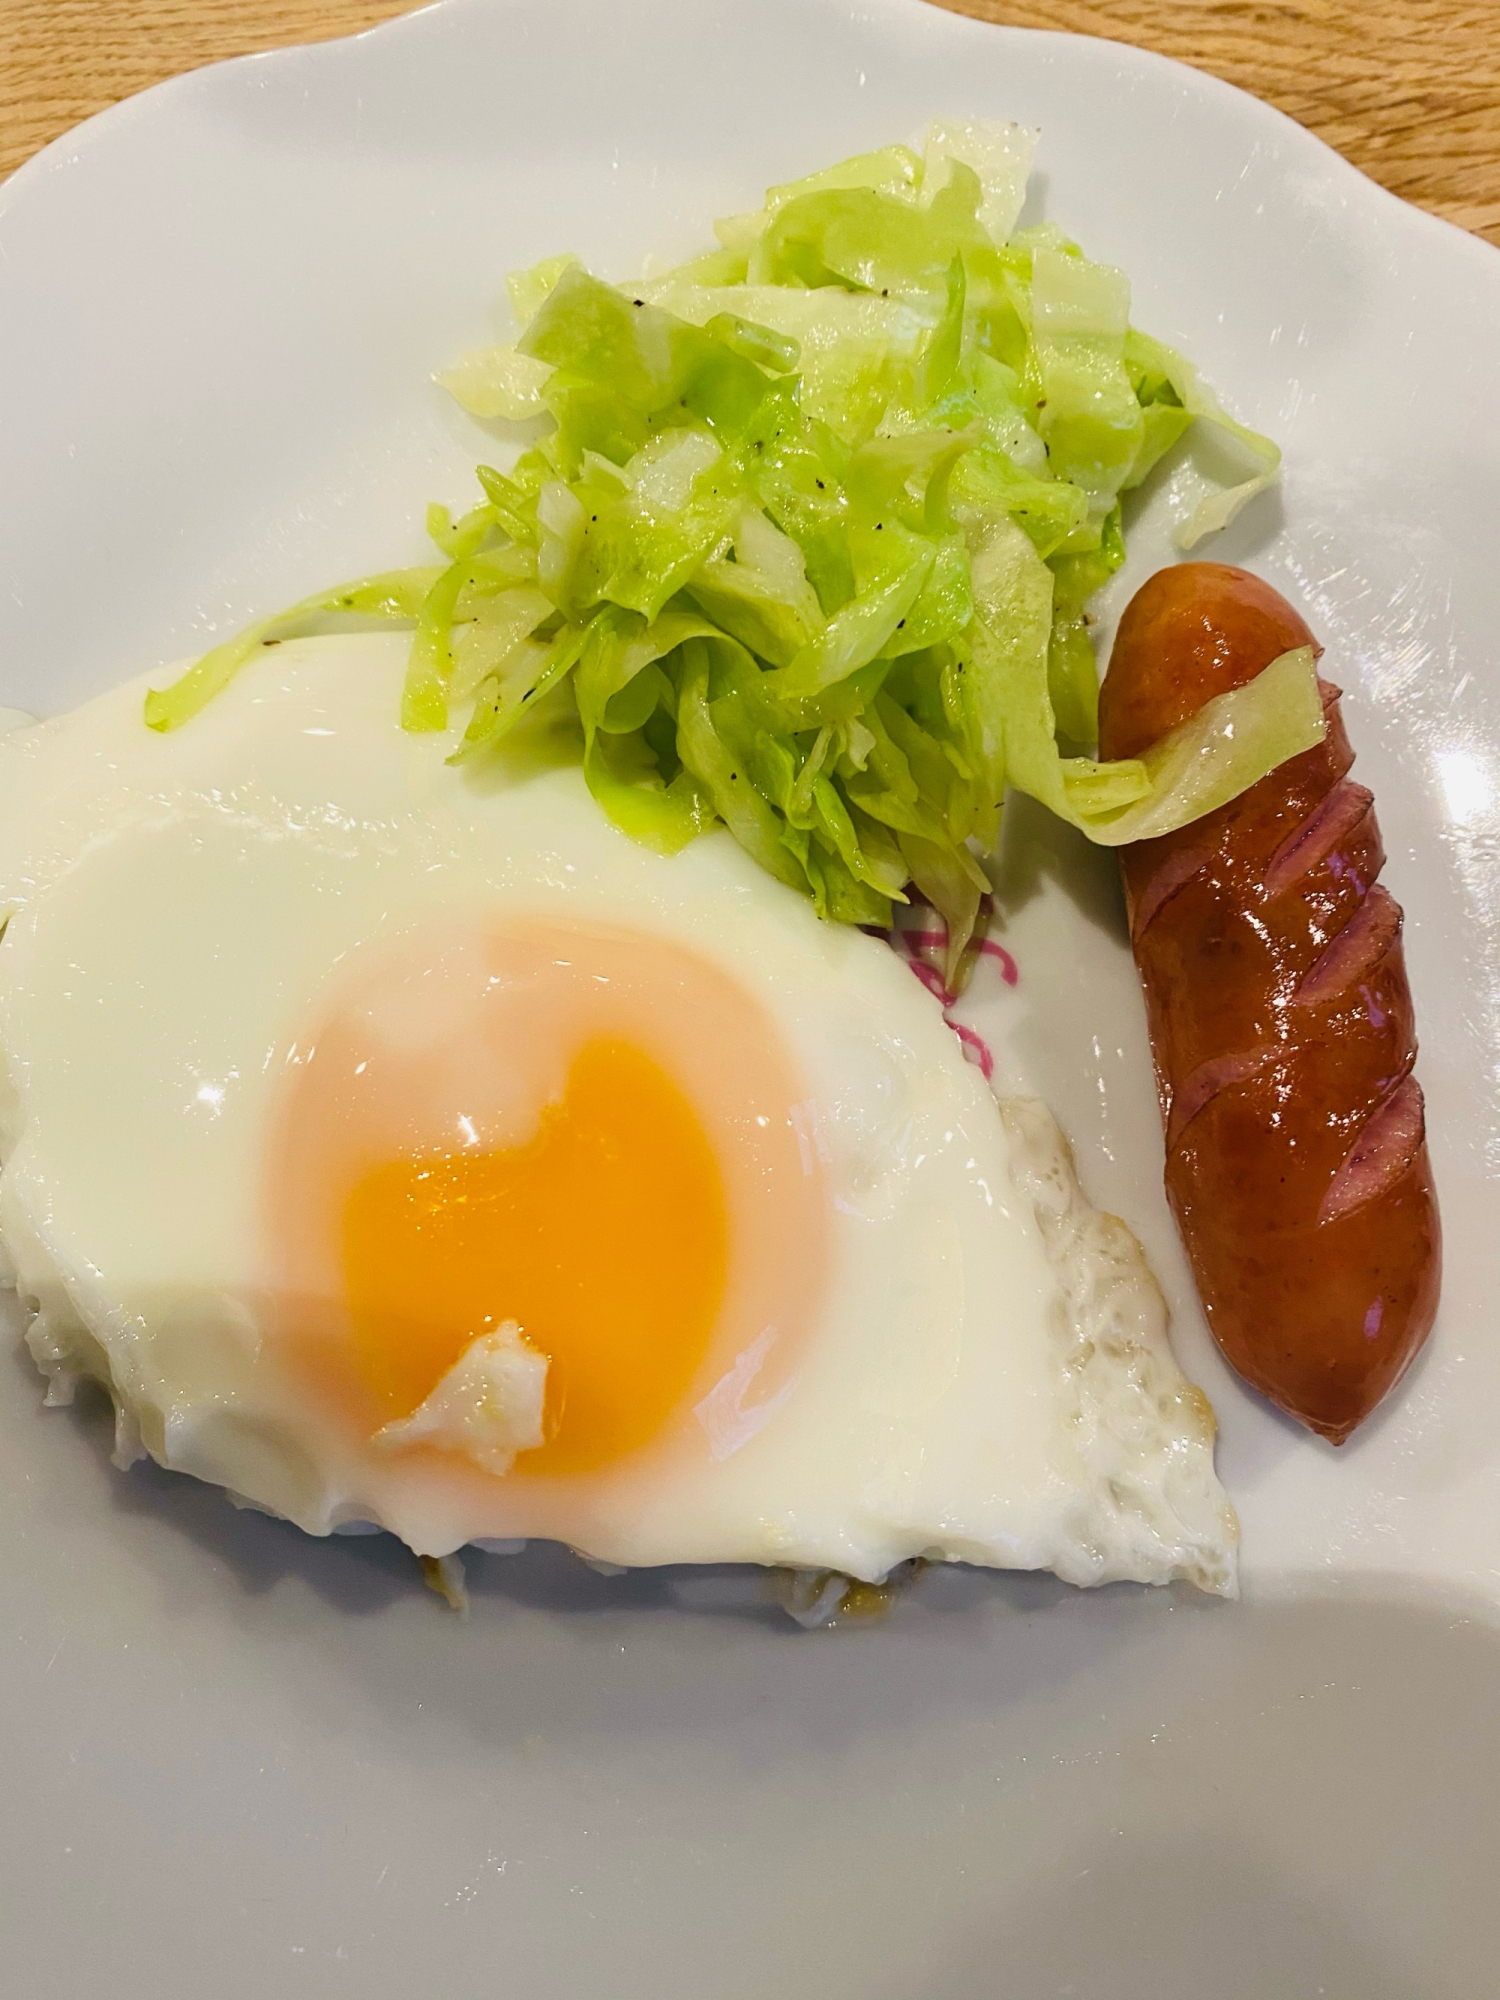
808, 535
399, 595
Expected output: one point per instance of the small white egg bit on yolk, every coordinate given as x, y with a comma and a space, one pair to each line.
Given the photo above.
401, 1143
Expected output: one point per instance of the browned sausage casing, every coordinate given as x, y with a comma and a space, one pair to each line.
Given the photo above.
1281, 1025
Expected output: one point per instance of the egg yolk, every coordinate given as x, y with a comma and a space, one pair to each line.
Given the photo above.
604, 1237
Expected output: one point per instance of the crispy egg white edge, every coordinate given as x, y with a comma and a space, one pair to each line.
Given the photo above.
1141, 1500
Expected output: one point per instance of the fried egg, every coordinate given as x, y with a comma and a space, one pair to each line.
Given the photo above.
400, 1143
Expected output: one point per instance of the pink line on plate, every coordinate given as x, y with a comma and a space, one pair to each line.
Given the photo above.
986, 947
976, 1049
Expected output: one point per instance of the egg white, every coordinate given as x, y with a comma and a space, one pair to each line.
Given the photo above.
989, 1379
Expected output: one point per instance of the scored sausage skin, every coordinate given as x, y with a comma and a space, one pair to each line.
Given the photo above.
1281, 1025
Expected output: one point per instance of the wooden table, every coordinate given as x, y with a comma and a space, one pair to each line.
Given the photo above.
1407, 89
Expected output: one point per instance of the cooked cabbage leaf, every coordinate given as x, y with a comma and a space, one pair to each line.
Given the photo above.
397, 595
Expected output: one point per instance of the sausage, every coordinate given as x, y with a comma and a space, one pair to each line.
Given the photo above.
1281, 1025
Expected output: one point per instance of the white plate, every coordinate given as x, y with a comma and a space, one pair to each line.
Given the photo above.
244, 1764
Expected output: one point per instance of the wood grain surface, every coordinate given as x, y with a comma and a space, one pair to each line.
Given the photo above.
1409, 90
